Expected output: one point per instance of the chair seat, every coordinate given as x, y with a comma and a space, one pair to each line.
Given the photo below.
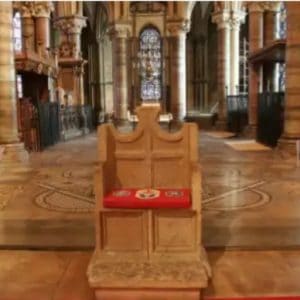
148, 198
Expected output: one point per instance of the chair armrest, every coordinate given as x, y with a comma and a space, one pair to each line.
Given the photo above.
196, 187
100, 186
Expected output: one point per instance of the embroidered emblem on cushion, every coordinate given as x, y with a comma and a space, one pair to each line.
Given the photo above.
174, 193
121, 193
147, 194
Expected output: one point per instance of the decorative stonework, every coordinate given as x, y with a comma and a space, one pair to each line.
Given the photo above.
58, 200
148, 274
71, 25
176, 28
237, 18
263, 6
119, 30
256, 6
67, 49
34, 9
222, 19
43, 9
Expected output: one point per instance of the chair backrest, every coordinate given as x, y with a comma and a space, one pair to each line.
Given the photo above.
149, 156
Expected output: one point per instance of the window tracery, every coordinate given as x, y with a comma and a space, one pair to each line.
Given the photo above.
150, 65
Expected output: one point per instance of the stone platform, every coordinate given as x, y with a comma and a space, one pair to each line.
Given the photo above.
147, 280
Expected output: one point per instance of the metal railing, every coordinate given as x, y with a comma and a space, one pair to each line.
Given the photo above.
237, 112
270, 117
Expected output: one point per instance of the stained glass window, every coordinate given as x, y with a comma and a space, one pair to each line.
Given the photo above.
150, 64
282, 77
281, 34
17, 32
281, 22
19, 86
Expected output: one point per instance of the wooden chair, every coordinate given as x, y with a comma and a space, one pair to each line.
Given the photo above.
150, 252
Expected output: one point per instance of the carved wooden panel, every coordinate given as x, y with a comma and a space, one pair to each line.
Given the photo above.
133, 174
123, 231
174, 231
168, 173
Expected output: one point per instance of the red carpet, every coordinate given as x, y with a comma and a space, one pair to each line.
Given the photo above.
256, 298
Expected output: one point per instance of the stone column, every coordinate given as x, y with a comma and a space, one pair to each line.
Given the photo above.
292, 93
222, 21
177, 50
42, 12
269, 26
119, 35
237, 18
269, 37
255, 43
13, 157
28, 31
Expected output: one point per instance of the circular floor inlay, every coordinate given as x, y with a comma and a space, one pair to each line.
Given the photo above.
64, 202
237, 200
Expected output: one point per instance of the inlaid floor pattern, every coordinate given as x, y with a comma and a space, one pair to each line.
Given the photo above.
250, 199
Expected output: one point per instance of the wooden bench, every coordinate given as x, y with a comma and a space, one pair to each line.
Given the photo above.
148, 251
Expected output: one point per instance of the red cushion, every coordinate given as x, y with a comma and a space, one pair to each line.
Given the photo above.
148, 198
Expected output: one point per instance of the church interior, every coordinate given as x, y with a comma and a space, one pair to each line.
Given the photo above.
194, 99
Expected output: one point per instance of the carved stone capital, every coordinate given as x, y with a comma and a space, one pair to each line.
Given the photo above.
25, 8
37, 9
43, 9
271, 6
176, 28
71, 25
222, 19
237, 18
255, 7
119, 30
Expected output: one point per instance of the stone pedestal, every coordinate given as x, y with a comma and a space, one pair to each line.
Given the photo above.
177, 48
291, 131
141, 281
146, 294
13, 157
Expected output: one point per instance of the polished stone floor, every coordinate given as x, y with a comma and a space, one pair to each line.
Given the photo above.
251, 199
251, 224
48, 275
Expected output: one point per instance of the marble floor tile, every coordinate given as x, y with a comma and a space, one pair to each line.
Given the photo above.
250, 199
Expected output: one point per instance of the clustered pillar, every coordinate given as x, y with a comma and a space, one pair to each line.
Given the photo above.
255, 72
236, 19
13, 157
269, 69
228, 20
291, 131
222, 21
120, 34
177, 48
